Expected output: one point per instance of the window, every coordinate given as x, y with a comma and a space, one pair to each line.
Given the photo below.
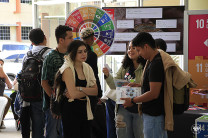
25, 33
4, 0
4, 33
26, 1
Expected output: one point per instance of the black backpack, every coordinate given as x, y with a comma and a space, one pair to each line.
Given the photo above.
180, 99
29, 79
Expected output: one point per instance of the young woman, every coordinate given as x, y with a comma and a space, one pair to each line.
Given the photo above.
129, 122
4, 79
80, 83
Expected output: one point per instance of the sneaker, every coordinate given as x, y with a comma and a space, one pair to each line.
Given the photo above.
2, 125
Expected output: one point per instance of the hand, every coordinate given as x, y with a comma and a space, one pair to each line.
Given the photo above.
134, 84
106, 71
127, 102
56, 116
9, 86
67, 95
99, 101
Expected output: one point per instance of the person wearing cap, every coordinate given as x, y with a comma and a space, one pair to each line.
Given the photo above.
87, 35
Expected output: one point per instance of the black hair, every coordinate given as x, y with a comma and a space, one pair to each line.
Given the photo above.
2, 60
84, 38
160, 43
73, 47
60, 32
127, 62
143, 38
36, 36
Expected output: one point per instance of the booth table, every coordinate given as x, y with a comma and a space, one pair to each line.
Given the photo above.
184, 122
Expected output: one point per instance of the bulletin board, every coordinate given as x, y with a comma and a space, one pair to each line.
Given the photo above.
162, 22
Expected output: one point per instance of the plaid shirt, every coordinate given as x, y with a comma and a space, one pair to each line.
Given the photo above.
53, 61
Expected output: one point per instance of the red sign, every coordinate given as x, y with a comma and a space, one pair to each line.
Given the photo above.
198, 51
198, 54
110, 12
198, 36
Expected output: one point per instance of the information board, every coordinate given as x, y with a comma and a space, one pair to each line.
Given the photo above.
162, 22
198, 49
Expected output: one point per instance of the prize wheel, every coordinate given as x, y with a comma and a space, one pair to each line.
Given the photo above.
99, 21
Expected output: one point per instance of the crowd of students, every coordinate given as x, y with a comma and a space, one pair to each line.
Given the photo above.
75, 61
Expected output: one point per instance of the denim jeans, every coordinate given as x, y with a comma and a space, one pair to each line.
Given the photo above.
110, 116
53, 126
134, 124
154, 126
34, 113
38, 119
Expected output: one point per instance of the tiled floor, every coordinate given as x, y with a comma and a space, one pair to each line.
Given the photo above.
10, 131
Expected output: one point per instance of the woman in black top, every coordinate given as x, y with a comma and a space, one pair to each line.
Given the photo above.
80, 83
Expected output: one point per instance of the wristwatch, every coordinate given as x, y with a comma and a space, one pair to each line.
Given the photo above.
132, 101
80, 89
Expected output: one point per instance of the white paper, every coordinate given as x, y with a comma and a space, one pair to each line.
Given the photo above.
127, 92
118, 47
124, 36
166, 35
171, 47
166, 23
155, 35
133, 13
125, 24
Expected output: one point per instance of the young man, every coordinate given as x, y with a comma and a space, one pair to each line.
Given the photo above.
87, 35
33, 110
152, 97
52, 63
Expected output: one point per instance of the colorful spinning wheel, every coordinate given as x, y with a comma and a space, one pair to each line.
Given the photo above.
99, 21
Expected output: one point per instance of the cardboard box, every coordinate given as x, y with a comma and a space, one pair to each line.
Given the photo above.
201, 124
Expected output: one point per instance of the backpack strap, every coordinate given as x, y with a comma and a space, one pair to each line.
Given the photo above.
41, 52
29, 54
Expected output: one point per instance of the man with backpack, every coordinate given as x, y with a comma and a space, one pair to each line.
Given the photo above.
52, 63
30, 88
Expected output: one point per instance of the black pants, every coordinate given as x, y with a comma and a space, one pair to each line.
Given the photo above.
25, 122
74, 119
13, 96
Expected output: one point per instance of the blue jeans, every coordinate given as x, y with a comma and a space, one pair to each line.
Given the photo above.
134, 124
53, 126
110, 116
36, 114
154, 126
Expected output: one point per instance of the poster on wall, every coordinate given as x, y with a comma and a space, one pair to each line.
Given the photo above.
97, 19
198, 56
161, 22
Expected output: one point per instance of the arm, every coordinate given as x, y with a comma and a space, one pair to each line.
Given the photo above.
154, 92
72, 90
46, 87
7, 80
156, 78
45, 77
109, 78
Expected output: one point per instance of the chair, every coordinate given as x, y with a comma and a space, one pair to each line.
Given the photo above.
3, 102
